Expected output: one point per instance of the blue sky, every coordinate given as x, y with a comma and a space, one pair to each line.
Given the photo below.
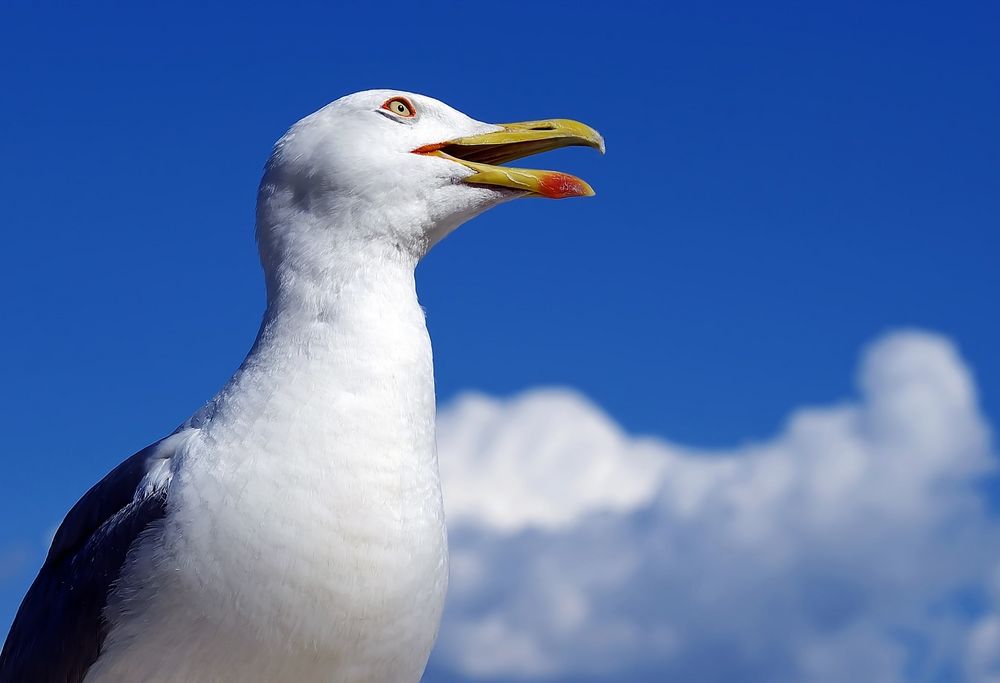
783, 187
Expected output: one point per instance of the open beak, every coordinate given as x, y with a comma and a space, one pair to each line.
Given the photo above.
483, 154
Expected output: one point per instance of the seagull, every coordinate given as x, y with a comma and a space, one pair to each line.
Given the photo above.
292, 529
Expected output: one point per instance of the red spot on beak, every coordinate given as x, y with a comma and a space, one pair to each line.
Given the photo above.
560, 186
427, 149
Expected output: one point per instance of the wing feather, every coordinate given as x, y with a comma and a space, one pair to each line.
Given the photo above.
60, 628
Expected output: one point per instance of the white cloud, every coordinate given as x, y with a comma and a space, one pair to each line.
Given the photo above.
511, 469
983, 654
854, 545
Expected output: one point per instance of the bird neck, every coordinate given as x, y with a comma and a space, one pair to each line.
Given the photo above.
335, 285
342, 356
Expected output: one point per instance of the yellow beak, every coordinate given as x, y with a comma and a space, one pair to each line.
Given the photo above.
483, 153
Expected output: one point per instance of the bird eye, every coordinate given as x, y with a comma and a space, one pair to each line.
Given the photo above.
400, 106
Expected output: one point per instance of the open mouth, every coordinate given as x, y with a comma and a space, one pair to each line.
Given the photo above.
484, 154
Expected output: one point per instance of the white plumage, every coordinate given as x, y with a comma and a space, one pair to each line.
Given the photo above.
302, 536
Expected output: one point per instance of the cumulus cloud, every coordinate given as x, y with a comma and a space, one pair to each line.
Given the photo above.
856, 544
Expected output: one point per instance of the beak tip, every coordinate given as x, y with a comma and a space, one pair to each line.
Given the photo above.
555, 185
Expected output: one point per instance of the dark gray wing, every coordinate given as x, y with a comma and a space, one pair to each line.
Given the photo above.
60, 628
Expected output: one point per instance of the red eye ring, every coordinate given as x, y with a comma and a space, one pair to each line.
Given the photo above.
400, 106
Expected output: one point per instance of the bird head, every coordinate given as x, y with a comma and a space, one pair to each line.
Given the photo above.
402, 170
